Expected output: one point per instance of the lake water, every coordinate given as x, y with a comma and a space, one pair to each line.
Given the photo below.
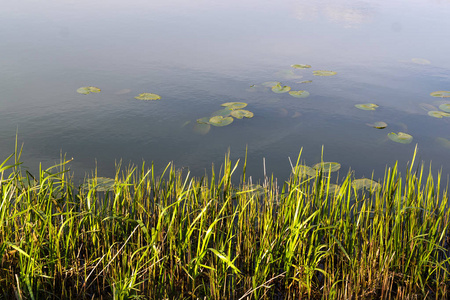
198, 54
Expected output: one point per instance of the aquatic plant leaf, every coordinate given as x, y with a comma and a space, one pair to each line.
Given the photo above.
234, 105
304, 171
148, 96
327, 166
421, 61
299, 94
324, 73
445, 107
280, 89
300, 66
378, 125
241, 113
367, 184
88, 89
220, 121
441, 94
100, 184
204, 120
438, 114
270, 83
306, 81
366, 106
443, 142
222, 112
201, 128
400, 137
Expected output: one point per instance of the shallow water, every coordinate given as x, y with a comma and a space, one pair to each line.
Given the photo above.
199, 54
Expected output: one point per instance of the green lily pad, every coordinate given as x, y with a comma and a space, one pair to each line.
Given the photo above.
378, 125
220, 121
421, 61
234, 105
299, 94
204, 120
304, 171
327, 166
148, 96
443, 142
324, 73
280, 89
222, 112
441, 94
438, 114
88, 89
445, 107
366, 106
300, 66
241, 113
100, 184
270, 83
367, 184
400, 137
201, 128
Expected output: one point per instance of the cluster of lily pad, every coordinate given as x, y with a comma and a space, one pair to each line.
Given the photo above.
224, 116
85, 90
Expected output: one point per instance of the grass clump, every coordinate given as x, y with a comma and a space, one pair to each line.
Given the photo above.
176, 237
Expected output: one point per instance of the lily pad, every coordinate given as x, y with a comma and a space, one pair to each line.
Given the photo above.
443, 142
327, 166
366, 106
438, 114
299, 94
441, 94
222, 112
100, 184
88, 89
204, 120
400, 137
280, 89
300, 66
306, 81
241, 113
367, 184
445, 107
234, 105
378, 125
324, 73
148, 96
304, 171
220, 121
201, 128
271, 83
421, 61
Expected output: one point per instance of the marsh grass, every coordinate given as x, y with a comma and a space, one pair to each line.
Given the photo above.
171, 236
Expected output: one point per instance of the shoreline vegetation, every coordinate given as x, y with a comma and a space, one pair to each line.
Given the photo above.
169, 236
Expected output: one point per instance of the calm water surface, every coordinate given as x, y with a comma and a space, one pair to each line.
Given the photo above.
200, 54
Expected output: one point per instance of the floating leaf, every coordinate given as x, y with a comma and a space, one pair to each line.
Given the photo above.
304, 171
444, 142
240, 113
299, 94
148, 96
438, 114
100, 184
441, 94
271, 83
222, 112
88, 89
204, 120
366, 106
201, 128
281, 89
220, 121
306, 81
234, 105
378, 125
421, 61
324, 73
365, 183
445, 107
300, 66
327, 166
400, 137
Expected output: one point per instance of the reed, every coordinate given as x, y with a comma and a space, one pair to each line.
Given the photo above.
171, 236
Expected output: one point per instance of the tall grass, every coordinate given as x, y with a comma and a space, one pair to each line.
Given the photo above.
170, 236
